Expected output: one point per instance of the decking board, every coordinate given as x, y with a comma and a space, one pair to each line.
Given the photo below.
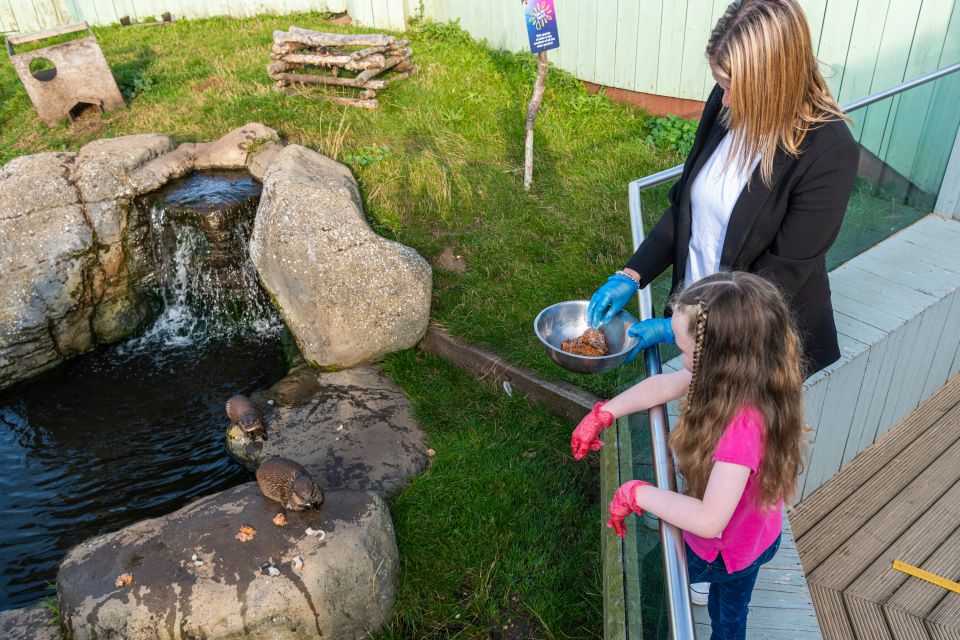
866, 544
847, 520
898, 500
871, 460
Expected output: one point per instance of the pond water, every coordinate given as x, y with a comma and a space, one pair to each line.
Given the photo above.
137, 430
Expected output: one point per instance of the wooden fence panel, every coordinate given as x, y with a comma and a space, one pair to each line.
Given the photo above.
628, 15
605, 64
648, 47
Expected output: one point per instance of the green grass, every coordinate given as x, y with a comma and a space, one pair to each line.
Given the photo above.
503, 529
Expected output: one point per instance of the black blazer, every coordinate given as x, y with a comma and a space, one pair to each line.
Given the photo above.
782, 232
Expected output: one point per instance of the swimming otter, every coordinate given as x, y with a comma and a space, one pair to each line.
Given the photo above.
289, 484
246, 416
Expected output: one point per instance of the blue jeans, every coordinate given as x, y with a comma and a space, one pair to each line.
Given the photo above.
729, 592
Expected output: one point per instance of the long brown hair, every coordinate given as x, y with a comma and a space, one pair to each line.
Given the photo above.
777, 93
746, 354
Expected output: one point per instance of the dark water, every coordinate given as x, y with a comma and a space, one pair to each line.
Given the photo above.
134, 430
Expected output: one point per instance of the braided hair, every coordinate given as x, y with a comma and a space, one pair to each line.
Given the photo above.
746, 354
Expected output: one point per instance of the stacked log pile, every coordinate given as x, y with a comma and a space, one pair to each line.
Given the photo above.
353, 61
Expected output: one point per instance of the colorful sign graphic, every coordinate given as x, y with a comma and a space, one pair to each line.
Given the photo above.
541, 19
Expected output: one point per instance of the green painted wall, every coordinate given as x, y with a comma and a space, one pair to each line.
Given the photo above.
32, 15
657, 46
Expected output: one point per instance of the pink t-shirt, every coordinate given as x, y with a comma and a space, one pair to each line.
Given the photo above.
751, 530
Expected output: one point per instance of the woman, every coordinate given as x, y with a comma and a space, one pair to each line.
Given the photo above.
766, 184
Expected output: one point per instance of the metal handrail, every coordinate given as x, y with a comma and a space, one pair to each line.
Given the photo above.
674, 551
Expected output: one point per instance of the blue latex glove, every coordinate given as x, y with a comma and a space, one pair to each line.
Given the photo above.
649, 333
609, 299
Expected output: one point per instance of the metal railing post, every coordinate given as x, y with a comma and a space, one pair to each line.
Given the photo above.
671, 538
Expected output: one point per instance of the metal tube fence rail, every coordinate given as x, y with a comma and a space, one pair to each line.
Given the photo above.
674, 553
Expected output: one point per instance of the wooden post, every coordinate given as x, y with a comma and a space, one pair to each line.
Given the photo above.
538, 88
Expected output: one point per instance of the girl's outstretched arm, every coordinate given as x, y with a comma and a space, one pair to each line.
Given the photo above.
706, 518
650, 392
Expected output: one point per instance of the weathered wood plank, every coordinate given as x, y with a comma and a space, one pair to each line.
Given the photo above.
901, 262
903, 626
26, 17
833, 427
895, 38
906, 299
865, 539
944, 620
587, 40
815, 10
625, 63
888, 417
838, 20
649, 37
606, 50
854, 302
866, 618
908, 123
932, 326
562, 398
942, 117
670, 55
719, 6
46, 33
693, 63
879, 581
831, 613
917, 597
818, 507
860, 424
815, 390
861, 57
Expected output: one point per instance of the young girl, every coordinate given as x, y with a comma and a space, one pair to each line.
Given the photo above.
738, 440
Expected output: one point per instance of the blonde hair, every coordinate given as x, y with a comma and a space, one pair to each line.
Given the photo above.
777, 93
746, 354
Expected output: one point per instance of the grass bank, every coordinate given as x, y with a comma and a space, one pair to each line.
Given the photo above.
500, 537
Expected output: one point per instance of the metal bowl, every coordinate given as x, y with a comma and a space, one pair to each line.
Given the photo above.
566, 320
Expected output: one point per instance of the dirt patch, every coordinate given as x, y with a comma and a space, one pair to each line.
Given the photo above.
207, 83
341, 18
520, 625
89, 121
450, 260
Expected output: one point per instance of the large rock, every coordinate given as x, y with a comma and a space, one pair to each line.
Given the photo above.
47, 250
32, 623
351, 429
67, 261
348, 295
345, 588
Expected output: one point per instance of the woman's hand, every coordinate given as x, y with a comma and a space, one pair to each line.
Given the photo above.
584, 437
623, 504
650, 332
609, 299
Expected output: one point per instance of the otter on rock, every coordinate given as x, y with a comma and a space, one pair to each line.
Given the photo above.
289, 484
246, 416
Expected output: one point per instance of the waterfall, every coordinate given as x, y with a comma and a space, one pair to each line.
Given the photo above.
202, 278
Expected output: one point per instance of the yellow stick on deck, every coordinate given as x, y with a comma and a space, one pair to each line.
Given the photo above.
933, 578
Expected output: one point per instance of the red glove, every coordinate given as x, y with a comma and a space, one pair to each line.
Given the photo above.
584, 437
624, 501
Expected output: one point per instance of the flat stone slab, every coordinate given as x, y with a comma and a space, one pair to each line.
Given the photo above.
350, 429
32, 623
191, 577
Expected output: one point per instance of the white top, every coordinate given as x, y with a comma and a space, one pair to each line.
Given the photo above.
713, 195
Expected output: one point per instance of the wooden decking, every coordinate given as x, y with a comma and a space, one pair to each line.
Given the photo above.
898, 500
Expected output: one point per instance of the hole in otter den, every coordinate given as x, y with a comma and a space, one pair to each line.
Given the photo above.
136, 430
84, 110
43, 69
